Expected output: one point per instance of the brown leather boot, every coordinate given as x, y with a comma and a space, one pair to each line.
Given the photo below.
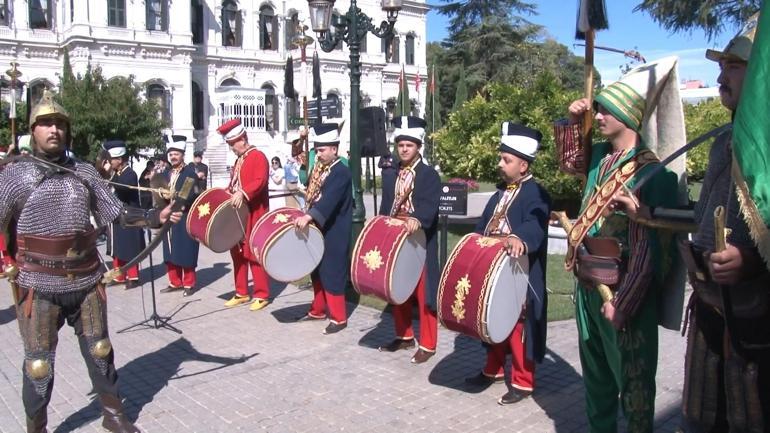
114, 418
38, 423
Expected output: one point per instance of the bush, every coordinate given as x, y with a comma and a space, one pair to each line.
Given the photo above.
467, 145
700, 119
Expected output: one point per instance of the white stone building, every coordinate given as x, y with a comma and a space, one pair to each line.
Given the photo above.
207, 60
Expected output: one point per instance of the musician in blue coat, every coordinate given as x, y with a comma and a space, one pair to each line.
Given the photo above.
519, 211
180, 251
329, 205
127, 242
413, 194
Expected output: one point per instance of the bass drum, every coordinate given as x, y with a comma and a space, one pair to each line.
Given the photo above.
482, 290
214, 222
386, 261
286, 254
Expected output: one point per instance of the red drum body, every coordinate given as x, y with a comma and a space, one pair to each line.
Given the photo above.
214, 222
286, 254
482, 290
386, 262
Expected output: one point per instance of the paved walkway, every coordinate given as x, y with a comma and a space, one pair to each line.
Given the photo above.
235, 370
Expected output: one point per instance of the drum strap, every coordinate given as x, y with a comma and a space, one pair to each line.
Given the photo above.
499, 224
317, 179
601, 198
404, 188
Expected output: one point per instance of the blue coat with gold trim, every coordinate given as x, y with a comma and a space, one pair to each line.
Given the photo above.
528, 217
425, 200
333, 214
127, 242
178, 247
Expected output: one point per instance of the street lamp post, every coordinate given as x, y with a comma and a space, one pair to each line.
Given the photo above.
351, 29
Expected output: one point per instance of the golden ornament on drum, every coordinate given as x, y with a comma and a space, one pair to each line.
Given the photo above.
204, 210
280, 218
462, 288
372, 259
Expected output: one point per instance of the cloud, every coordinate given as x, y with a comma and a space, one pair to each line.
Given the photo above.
693, 64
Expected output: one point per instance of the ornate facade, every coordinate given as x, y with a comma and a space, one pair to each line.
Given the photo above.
207, 60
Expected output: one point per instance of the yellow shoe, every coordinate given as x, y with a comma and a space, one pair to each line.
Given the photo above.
258, 304
237, 300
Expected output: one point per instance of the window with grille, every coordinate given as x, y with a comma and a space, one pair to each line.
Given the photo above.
158, 94
249, 107
4, 12
196, 21
197, 106
292, 30
390, 49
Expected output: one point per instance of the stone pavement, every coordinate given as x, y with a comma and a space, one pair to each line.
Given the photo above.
236, 370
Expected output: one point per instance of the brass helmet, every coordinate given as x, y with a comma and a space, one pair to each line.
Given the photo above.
47, 107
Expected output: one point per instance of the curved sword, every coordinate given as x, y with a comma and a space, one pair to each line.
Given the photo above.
181, 199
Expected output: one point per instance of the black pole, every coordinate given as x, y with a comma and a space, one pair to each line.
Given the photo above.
374, 187
444, 221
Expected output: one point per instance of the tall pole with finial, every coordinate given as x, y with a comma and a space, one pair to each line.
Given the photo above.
14, 73
302, 40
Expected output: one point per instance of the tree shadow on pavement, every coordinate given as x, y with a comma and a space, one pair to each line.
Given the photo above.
142, 378
7, 315
466, 360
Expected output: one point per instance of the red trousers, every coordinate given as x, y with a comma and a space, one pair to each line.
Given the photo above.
5, 257
132, 273
522, 369
179, 276
241, 267
323, 299
402, 317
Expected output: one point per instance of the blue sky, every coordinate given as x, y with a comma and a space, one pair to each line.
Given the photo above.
628, 30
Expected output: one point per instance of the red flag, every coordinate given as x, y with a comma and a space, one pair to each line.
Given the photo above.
417, 82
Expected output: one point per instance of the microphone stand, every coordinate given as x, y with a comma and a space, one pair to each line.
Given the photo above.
155, 320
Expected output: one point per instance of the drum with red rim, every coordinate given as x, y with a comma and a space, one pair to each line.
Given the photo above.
386, 262
286, 254
214, 222
482, 290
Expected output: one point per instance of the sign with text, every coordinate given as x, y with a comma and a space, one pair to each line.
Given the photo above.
330, 107
454, 199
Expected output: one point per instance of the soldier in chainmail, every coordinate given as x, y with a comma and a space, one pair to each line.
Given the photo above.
58, 265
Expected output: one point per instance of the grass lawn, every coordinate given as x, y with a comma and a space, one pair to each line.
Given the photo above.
559, 282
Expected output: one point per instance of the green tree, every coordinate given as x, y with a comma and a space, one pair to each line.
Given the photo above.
467, 145
461, 94
464, 14
700, 119
712, 16
22, 127
102, 109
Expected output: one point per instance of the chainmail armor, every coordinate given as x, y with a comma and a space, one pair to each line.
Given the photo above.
49, 203
718, 189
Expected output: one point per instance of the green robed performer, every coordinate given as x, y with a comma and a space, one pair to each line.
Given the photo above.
617, 326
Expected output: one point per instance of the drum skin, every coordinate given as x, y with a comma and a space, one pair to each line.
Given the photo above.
286, 254
482, 290
386, 261
214, 222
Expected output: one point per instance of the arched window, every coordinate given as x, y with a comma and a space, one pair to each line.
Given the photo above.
230, 82
231, 24
158, 94
116, 13
409, 48
196, 21
36, 89
268, 29
292, 30
157, 15
40, 14
197, 106
271, 108
390, 49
